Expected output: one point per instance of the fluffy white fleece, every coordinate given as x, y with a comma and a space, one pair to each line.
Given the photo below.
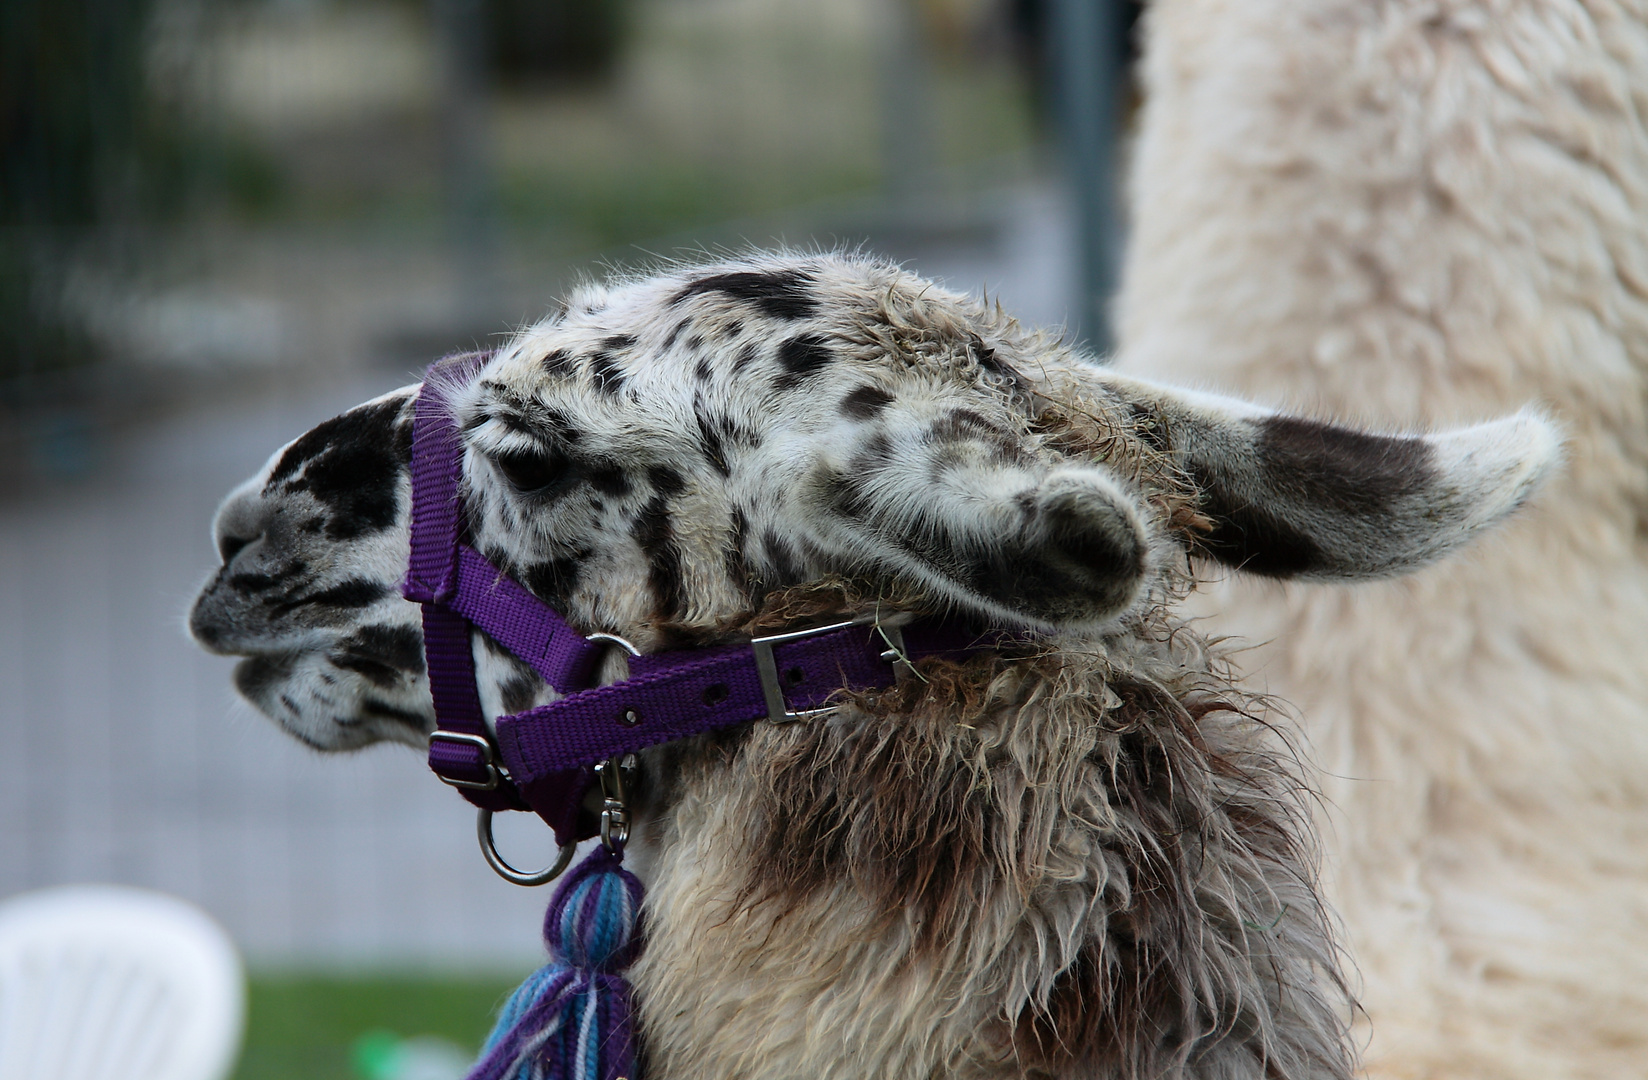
1424, 212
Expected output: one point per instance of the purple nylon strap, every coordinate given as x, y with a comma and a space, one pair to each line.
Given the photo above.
546, 753
458, 751
675, 695
522, 623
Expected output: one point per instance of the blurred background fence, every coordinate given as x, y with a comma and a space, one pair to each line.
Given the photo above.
223, 220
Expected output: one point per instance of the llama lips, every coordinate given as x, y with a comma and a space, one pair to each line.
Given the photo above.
289, 687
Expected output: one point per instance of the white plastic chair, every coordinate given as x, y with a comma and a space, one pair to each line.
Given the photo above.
103, 982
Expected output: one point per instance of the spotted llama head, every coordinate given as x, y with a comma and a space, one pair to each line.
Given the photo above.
671, 450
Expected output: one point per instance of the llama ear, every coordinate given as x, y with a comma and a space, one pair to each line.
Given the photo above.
1291, 497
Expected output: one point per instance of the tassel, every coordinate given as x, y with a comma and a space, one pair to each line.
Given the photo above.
570, 1020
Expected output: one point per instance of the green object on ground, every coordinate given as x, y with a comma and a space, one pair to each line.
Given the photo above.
374, 1054
311, 1027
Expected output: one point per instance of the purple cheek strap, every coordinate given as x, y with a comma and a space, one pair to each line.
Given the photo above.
544, 759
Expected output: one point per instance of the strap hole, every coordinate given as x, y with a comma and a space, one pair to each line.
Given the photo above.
794, 676
716, 693
630, 718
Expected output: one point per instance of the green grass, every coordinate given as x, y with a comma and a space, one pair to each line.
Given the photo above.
306, 1027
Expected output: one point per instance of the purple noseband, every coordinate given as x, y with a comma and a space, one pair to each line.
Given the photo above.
544, 758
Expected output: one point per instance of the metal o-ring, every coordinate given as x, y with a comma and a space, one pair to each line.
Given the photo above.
489, 849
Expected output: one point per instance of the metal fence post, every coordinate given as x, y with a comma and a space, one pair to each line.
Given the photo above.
466, 150
1086, 50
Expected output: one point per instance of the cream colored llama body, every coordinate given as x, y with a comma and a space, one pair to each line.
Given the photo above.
1419, 213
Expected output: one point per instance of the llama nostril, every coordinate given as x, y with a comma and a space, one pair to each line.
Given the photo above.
239, 521
229, 546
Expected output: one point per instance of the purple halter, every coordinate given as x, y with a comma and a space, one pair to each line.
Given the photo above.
545, 759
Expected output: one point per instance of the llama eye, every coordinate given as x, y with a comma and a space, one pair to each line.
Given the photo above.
529, 472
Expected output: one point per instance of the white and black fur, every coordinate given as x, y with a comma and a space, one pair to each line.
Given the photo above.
1087, 859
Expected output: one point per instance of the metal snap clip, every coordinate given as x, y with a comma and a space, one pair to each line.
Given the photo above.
614, 774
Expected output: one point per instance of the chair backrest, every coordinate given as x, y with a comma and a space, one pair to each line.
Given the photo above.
99, 982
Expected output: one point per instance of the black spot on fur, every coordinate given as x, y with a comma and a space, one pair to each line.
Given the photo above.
875, 456
779, 294
695, 343
619, 342
519, 692
666, 480
604, 370
254, 678
1251, 539
560, 363
1326, 465
608, 478
965, 425
733, 557
371, 668
351, 594
553, 582
847, 497
654, 530
352, 465
801, 357
1079, 565
1334, 475
559, 423
382, 654
735, 328
1066, 566
709, 440
701, 370
265, 582
745, 356
865, 402
384, 710
675, 332
786, 565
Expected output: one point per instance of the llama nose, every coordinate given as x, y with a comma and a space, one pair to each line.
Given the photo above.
239, 521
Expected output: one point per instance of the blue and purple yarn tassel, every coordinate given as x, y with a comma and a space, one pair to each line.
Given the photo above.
571, 1019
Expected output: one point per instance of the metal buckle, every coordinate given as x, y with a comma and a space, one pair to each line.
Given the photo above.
615, 775
489, 850
489, 758
778, 710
